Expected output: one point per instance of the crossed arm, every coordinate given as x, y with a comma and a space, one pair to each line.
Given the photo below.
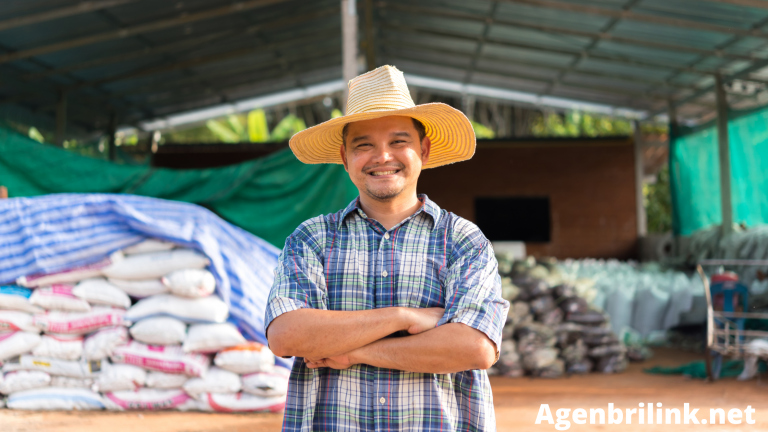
340, 339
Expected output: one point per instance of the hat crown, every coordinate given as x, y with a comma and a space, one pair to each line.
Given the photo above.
382, 89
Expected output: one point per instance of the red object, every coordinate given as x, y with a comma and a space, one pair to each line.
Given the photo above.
725, 277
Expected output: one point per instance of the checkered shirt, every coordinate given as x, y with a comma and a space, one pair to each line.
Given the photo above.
346, 261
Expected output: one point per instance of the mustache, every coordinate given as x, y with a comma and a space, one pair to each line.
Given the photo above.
400, 167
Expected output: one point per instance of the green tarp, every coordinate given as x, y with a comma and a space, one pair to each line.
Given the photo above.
695, 173
269, 196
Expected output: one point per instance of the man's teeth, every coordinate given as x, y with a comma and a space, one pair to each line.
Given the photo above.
379, 173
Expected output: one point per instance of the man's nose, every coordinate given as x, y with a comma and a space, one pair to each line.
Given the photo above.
382, 154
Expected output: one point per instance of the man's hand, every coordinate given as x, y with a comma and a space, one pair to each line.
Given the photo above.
339, 362
424, 319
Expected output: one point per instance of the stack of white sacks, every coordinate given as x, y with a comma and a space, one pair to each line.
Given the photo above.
169, 348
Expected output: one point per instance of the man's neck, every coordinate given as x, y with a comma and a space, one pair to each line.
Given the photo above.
390, 213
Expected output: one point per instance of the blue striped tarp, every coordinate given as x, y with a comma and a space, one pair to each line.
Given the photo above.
51, 233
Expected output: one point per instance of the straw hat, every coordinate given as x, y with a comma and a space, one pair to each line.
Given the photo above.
383, 92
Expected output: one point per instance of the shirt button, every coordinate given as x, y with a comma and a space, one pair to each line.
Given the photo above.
382, 400
384, 273
386, 236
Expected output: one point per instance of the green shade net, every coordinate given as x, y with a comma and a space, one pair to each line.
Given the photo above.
695, 173
269, 196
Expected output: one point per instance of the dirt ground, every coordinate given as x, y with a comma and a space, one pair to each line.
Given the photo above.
517, 404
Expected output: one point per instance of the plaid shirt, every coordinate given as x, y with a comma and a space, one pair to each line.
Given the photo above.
347, 261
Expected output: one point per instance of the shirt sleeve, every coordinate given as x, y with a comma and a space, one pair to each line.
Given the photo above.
473, 293
299, 281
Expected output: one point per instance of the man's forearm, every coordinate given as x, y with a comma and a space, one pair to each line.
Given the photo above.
315, 334
447, 349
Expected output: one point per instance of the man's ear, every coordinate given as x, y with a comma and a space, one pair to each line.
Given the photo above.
343, 153
426, 148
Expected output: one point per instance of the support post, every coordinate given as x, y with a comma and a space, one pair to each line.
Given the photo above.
370, 46
725, 156
348, 44
642, 220
111, 131
61, 117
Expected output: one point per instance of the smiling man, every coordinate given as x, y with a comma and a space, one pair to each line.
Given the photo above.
392, 306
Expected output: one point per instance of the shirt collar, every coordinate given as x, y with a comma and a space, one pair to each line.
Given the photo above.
427, 206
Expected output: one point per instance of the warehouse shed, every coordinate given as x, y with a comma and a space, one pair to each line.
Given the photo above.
86, 68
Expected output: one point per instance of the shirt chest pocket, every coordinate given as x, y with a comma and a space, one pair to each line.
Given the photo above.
419, 284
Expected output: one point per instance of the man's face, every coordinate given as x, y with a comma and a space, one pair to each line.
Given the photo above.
384, 156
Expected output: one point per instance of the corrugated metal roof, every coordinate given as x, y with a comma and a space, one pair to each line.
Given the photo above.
149, 58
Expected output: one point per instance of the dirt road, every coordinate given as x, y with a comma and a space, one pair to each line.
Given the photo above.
517, 404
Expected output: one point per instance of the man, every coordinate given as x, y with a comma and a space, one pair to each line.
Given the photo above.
392, 306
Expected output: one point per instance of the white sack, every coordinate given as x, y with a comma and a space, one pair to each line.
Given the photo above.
69, 382
56, 398
240, 402
651, 305
169, 359
73, 369
64, 347
120, 377
620, 305
140, 288
159, 331
24, 380
79, 323
72, 275
155, 264
99, 291
17, 343
267, 384
17, 298
203, 310
60, 298
162, 380
208, 338
145, 399
246, 358
191, 283
148, 245
100, 345
17, 321
216, 381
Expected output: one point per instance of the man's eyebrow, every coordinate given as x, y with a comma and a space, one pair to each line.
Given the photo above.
403, 133
359, 138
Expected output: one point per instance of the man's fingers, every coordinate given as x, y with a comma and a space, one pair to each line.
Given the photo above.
314, 364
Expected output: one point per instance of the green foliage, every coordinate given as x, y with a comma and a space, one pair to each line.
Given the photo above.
288, 126
577, 123
482, 131
36, 135
258, 130
658, 203
336, 113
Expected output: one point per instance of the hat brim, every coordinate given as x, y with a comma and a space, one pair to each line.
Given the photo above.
448, 129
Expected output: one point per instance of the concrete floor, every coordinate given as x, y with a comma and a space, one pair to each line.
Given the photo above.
517, 405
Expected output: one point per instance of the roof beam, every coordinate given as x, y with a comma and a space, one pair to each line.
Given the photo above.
690, 98
561, 30
545, 66
226, 34
535, 78
635, 16
77, 9
137, 29
606, 29
198, 61
760, 4
562, 51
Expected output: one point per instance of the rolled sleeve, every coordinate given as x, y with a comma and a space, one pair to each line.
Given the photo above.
299, 281
473, 293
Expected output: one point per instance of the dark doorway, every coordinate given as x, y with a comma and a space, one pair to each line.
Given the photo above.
525, 219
